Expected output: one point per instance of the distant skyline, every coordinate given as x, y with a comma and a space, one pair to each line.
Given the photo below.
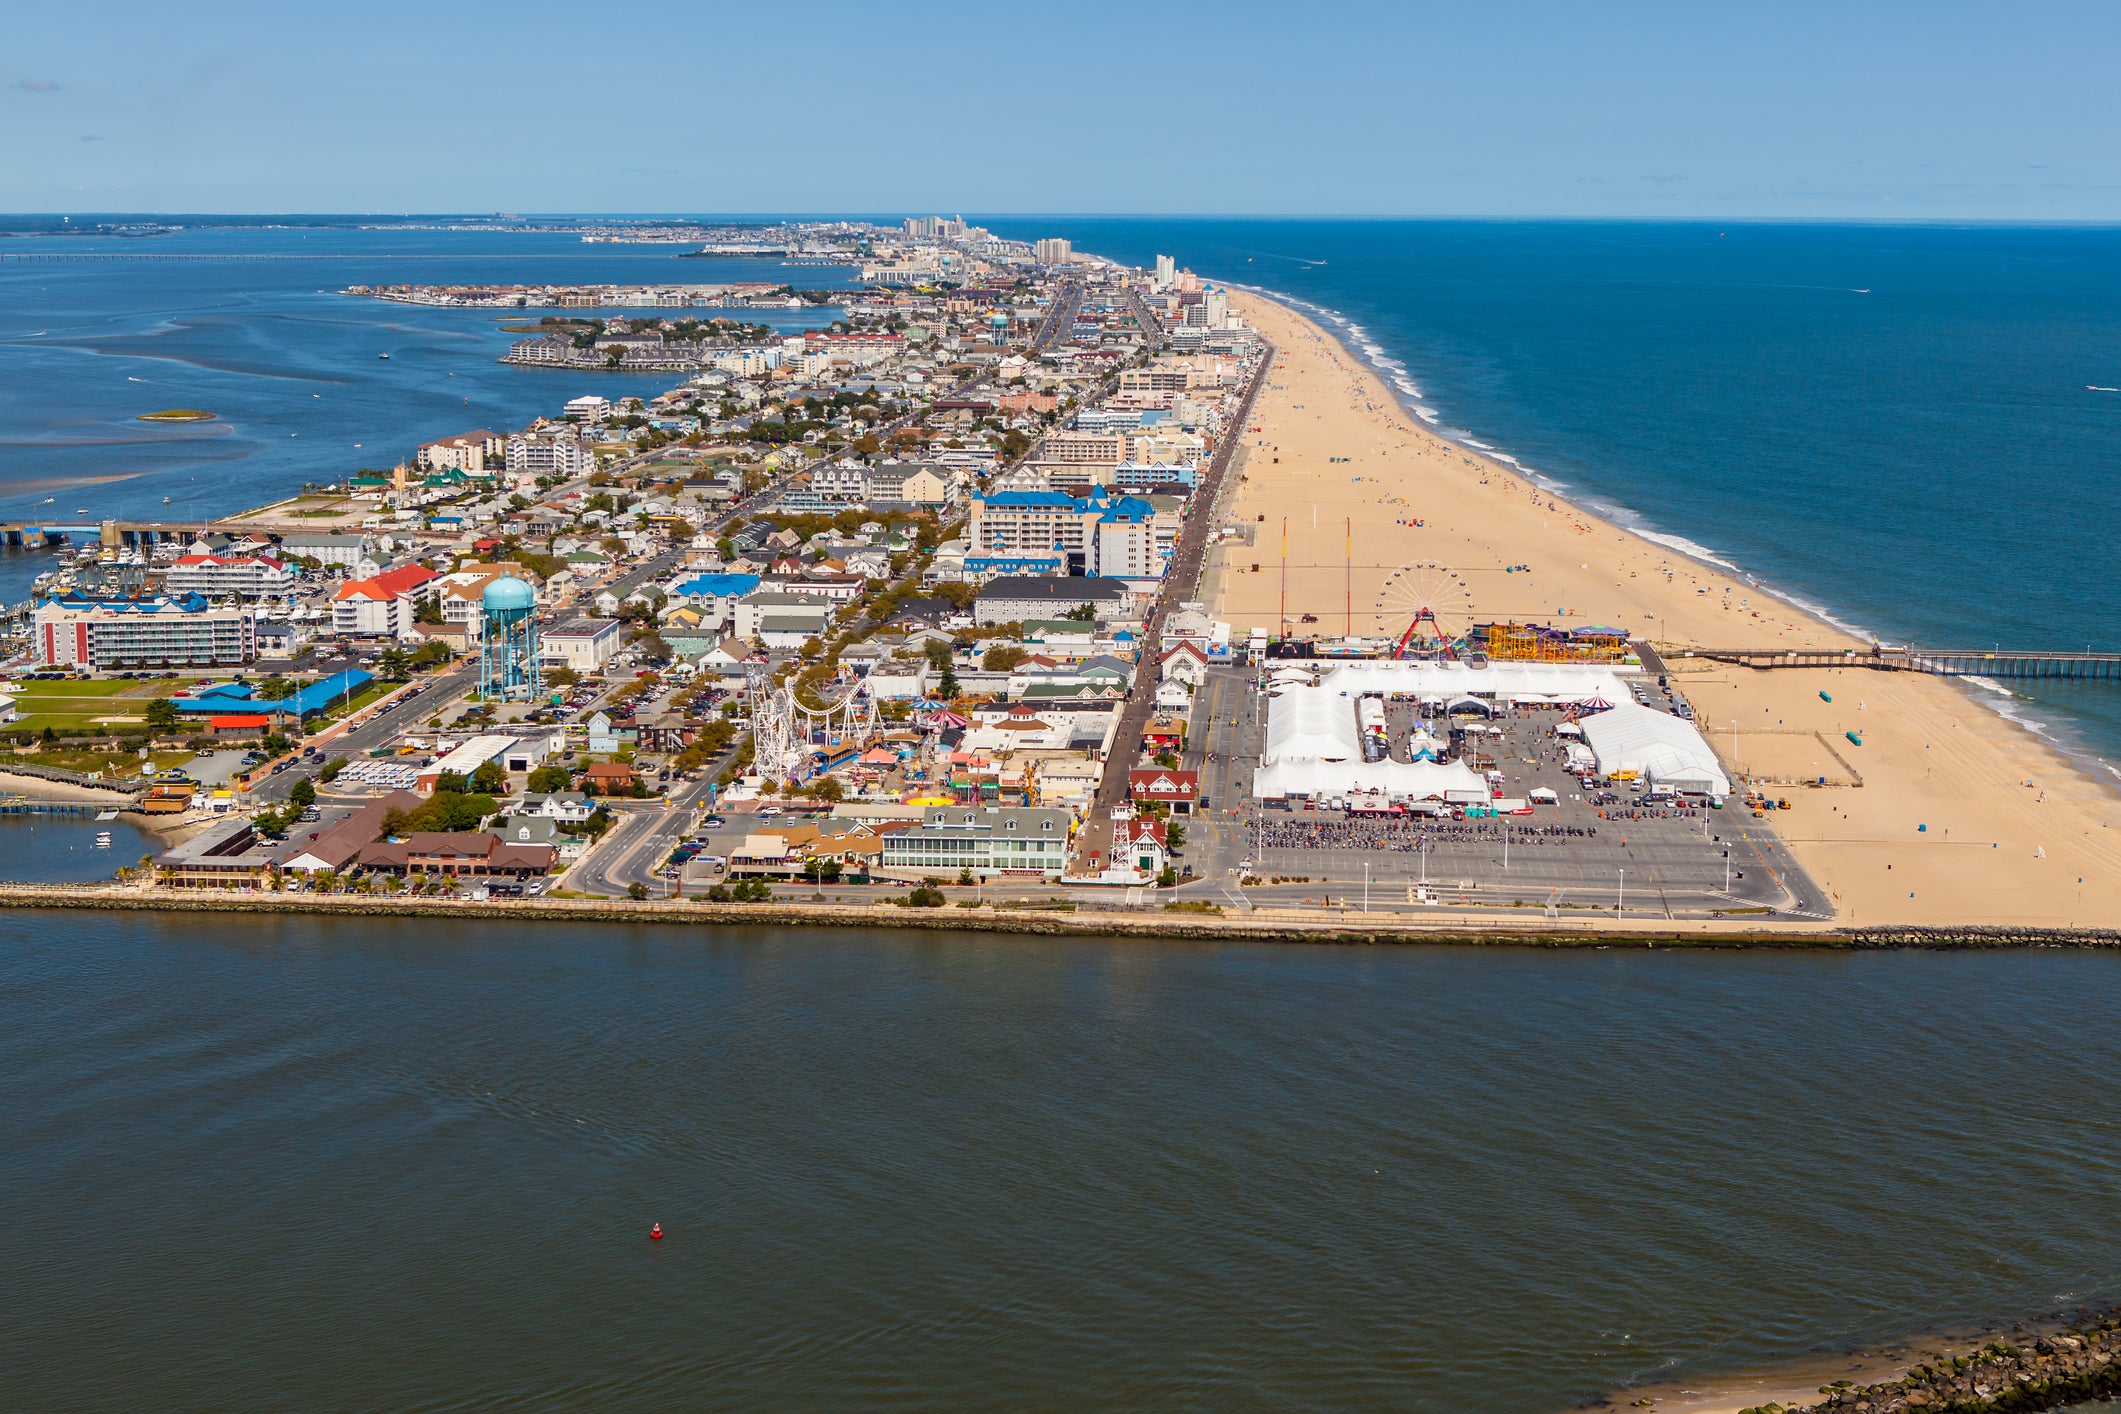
1661, 110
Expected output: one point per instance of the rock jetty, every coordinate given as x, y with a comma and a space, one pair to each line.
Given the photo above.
2054, 1371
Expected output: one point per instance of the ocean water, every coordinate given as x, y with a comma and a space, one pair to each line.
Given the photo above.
247, 324
290, 1163
1913, 429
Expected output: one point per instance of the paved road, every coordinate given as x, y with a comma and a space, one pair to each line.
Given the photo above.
1060, 319
1181, 582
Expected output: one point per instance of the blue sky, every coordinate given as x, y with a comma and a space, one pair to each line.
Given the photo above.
1787, 110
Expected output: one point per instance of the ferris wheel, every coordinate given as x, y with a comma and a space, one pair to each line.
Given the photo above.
1433, 604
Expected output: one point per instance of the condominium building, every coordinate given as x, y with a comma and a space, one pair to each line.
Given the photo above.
383, 606
1101, 534
1051, 251
166, 631
549, 454
218, 575
473, 452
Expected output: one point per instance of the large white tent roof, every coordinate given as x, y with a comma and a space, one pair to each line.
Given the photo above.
1398, 780
1502, 680
1312, 750
1310, 722
1661, 748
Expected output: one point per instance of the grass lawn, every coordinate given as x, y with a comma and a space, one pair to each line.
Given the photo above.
123, 763
66, 706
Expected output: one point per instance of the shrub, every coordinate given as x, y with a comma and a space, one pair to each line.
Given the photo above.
925, 897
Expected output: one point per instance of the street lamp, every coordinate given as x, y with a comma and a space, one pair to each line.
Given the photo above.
1622, 901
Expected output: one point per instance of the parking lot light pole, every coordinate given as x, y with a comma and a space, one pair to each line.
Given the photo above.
1366, 886
1622, 901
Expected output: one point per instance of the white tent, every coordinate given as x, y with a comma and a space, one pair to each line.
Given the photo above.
1500, 679
1662, 749
1310, 722
1398, 780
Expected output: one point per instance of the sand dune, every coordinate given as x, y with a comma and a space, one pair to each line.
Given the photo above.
2012, 825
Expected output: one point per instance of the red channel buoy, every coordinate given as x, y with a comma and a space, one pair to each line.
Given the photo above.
655, 1233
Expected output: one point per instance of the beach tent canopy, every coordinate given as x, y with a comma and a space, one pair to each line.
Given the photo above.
1662, 749
1570, 729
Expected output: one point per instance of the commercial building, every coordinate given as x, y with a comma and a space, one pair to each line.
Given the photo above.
986, 840
165, 631
581, 644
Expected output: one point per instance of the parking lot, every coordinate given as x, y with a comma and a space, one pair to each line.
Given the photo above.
1598, 847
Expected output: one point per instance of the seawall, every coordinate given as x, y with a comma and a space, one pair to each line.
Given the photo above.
1264, 925
2065, 1367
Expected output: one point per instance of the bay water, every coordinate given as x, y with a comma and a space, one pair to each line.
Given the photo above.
395, 1164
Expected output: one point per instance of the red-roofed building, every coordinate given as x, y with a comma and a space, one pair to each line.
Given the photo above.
383, 606
239, 724
1178, 789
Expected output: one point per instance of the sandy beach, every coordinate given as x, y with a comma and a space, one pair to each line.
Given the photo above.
1961, 816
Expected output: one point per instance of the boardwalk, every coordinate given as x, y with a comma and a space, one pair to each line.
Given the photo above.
1942, 662
1093, 845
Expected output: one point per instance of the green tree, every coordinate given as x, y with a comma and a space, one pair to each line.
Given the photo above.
548, 779
163, 716
948, 686
1002, 657
1082, 613
331, 769
490, 779
926, 896
562, 676
637, 891
451, 783
304, 794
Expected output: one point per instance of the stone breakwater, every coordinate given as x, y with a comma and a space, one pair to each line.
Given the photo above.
2065, 1367
1262, 925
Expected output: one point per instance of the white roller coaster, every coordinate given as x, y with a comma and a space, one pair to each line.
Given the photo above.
785, 732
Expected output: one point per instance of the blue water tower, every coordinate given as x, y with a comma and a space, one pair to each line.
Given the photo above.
508, 642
